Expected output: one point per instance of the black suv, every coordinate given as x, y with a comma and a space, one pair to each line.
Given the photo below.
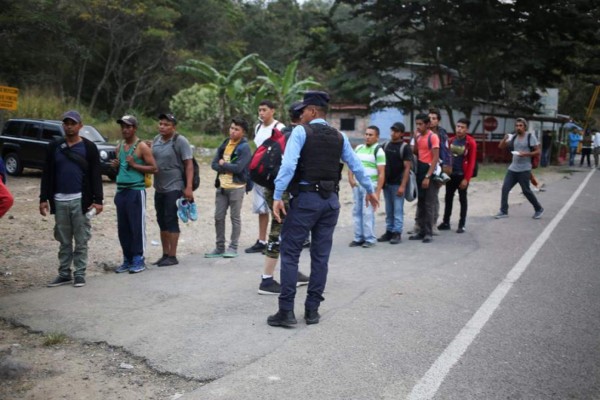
24, 143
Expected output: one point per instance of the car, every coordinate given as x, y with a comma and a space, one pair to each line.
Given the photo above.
23, 144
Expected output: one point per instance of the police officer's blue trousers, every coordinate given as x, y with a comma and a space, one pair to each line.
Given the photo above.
308, 212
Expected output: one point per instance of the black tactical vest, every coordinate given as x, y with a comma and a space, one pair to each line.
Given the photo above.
320, 155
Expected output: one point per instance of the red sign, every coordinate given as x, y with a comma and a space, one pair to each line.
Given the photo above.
490, 124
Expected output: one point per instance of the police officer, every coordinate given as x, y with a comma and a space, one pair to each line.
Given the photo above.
311, 172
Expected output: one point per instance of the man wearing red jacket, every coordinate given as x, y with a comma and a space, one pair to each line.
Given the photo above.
6, 199
464, 156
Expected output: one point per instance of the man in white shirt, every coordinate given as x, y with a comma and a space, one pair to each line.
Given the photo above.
596, 148
262, 131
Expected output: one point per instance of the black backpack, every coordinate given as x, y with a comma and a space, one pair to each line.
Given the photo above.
196, 178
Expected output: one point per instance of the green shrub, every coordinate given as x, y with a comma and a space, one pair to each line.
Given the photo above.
54, 338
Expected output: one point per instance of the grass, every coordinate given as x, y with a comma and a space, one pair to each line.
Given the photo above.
42, 103
54, 338
491, 172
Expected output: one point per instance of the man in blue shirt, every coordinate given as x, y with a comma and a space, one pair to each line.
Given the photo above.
311, 172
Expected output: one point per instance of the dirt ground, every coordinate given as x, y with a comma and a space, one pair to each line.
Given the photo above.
32, 368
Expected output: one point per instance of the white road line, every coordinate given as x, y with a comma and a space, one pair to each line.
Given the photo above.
429, 384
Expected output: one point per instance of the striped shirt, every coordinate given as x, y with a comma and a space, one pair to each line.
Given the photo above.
369, 160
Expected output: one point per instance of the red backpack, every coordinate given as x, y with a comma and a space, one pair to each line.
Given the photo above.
266, 160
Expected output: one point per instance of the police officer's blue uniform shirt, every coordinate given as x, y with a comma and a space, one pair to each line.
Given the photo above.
292, 154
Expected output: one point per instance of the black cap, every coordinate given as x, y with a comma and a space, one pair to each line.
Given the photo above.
294, 113
398, 127
313, 98
128, 120
169, 117
72, 115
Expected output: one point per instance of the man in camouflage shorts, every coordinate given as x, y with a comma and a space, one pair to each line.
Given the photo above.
268, 284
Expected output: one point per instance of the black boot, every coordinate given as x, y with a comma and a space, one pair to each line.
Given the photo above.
311, 316
282, 318
385, 237
444, 226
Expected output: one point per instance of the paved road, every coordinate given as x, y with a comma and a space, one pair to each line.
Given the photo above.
410, 321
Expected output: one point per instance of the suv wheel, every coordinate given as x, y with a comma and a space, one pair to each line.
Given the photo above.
13, 164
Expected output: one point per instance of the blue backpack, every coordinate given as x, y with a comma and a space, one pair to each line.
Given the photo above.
2, 171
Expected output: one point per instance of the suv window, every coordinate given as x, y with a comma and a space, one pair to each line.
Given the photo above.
12, 128
31, 130
50, 132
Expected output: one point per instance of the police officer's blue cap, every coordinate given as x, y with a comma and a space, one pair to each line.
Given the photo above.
314, 98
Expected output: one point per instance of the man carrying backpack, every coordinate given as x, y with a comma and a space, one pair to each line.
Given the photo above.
231, 163
134, 160
427, 149
268, 284
398, 162
464, 156
266, 114
523, 146
372, 158
435, 117
173, 156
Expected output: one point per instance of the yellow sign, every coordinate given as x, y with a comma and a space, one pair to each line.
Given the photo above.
8, 98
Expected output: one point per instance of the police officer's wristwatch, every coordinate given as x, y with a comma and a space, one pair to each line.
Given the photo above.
427, 176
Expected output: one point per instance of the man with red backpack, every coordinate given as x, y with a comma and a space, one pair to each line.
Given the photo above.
262, 131
268, 284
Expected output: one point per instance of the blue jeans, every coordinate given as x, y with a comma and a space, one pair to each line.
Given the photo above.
71, 225
572, 152
364, 217
522, 178
394, 209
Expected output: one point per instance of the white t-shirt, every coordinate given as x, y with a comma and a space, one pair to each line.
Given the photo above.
263, 132
597, 139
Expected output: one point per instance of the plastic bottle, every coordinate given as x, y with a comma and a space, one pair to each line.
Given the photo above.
90, 214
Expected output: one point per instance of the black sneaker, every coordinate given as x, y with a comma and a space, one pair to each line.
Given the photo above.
167, 262
269, 286
161, 259
59, 280
258, 247
416, 237
385, 237
311, 316
302, 279
396, 238
79, 281
282, 318
444, 226
461, 229
354, 243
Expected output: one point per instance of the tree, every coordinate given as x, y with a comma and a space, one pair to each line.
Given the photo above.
229, 87
125, 49
286, 87
492, 50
